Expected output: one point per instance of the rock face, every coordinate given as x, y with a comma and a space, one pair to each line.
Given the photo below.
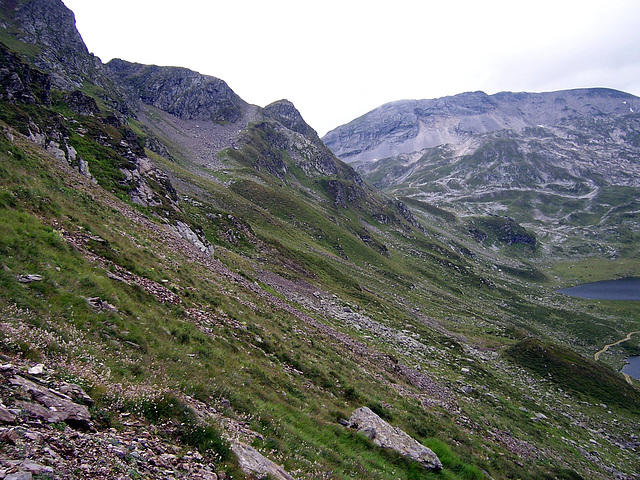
198, 240
286, 113
62, 52
564, 165
393, 438
179, 91
21, 83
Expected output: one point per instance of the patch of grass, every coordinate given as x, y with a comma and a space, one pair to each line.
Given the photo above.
587, 378
206, 439
453, 462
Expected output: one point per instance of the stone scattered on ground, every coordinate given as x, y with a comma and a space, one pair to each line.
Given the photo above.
384, 435
100, 305
29, 278
253, 462
36, 370
46, 431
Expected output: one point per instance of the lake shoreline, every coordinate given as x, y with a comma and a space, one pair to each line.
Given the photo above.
623, 289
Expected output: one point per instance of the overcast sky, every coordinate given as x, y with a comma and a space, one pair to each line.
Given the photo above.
338, 59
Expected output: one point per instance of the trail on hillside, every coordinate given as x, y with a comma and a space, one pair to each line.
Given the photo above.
606, 347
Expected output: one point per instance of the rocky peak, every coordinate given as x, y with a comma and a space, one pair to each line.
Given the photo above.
288, 115
59, 49
179, 91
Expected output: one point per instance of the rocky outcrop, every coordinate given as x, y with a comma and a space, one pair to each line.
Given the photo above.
286, 113
46, 404
81, 103
384, 435
61, 51
19, 83
46, 432
197, 239
179, 91
343, 193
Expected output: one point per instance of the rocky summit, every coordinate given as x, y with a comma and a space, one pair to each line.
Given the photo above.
409, 126
194, 287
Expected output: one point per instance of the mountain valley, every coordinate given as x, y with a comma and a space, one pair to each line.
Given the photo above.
196, 287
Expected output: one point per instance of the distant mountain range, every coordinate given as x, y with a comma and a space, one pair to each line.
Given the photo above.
408, 126
565, 164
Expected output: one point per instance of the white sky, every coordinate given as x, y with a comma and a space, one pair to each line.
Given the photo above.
338, 59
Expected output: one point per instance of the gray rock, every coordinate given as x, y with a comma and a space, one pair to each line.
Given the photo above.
253, 462
81, 103
179, 91
19, 476
37, 370
76, 393
100, 305
31, 466
63, 54
38, 411
386, 436
286, 113
8, 369
199, 241
6, 416
21, 83
9, 436
59, 408
408, 126
29, 278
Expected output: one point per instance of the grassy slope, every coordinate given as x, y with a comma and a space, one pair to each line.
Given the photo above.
288, 376
148, 346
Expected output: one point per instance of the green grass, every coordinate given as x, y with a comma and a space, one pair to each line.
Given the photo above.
589, 379
256, 361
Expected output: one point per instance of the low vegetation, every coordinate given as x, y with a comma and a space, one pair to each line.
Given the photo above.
317, 296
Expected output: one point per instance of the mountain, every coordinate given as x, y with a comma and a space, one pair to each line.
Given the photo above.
563, 164
408, 126
192, 286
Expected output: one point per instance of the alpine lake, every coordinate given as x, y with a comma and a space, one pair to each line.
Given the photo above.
625, 289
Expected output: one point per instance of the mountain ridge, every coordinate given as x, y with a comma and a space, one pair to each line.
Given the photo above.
412, 125
210, 294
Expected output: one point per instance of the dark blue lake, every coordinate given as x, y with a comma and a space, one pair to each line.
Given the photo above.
632, 367
620, 289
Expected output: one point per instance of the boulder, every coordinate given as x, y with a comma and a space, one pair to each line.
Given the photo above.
386, 436
36, 370
253, 462
100, 305
59, 408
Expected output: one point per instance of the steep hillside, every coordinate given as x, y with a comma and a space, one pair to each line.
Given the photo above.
563, 164
195, 287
